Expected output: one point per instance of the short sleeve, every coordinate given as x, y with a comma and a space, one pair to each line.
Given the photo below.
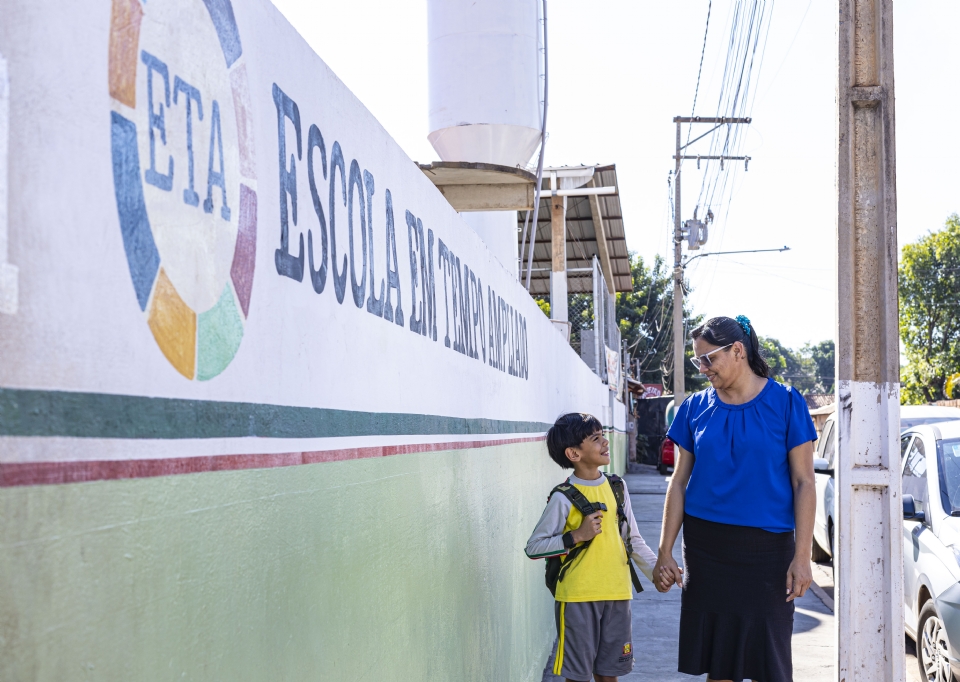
680, 432
800, 428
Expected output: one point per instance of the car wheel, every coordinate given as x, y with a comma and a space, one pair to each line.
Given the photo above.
932, 646
663, 469
833, 554
819, 553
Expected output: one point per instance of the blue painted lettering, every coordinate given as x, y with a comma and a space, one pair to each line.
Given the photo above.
191, 94
156, 121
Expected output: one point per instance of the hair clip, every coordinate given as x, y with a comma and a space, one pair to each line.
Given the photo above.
744, 323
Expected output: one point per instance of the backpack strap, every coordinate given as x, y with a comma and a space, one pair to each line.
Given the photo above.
577, 498
623, 524
586, 508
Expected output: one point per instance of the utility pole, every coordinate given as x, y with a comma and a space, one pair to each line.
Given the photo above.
869, 564
679, 390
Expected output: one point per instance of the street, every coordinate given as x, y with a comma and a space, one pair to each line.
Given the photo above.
656, 616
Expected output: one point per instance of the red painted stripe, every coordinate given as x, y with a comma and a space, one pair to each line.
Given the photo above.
52, 473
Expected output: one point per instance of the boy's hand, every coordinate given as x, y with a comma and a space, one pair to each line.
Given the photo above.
589, 527
667, 573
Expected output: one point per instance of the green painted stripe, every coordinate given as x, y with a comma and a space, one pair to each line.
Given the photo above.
100, 415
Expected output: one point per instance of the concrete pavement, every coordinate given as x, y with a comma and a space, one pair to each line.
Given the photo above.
656, 617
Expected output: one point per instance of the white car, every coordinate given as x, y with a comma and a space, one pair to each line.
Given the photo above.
930, 485
823, 465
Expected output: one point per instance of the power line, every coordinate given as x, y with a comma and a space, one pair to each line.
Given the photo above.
703, 51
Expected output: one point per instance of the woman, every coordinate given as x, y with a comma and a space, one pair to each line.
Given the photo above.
743, 490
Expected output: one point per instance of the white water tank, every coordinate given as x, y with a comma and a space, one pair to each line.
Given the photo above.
484, 80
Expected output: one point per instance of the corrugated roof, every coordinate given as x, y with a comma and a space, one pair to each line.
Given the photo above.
581, 238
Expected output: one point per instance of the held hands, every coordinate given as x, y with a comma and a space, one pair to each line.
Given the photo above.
666, 573
589, 528
799, 577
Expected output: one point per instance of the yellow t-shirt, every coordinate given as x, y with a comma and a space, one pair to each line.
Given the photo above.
600, 572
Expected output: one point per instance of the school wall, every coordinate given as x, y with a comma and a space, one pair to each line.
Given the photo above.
224, 452
396, 568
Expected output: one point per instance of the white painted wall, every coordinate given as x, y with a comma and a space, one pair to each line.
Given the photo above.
498, 231
79, 326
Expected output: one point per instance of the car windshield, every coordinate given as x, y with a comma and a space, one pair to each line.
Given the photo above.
950, 475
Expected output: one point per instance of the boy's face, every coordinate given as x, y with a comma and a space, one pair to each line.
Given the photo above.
593, 451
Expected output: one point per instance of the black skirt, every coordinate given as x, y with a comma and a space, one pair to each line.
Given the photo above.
735, 622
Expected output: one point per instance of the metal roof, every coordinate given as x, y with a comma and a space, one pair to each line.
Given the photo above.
581, 238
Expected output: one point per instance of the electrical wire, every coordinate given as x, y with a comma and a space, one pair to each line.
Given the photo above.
703, 51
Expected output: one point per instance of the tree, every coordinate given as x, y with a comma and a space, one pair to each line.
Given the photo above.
823, 358
645, 317
810, 370
929, 281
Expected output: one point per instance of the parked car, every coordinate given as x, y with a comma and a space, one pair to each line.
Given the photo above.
824, 461
930, 484
665, 460
917, 415
823, 465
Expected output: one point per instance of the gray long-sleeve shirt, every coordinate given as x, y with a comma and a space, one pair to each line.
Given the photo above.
547, 537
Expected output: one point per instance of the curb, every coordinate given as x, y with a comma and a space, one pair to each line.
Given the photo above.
822, 596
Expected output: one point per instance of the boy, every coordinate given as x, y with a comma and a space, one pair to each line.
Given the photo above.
593, 595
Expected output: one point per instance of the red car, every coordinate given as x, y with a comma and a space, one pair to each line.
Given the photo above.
665, 461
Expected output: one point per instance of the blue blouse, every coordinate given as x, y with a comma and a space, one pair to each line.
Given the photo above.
741, 472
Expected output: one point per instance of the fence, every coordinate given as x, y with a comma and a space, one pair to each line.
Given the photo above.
592, 312
586, 315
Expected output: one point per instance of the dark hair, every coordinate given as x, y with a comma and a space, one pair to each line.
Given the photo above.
720, 331
568, 432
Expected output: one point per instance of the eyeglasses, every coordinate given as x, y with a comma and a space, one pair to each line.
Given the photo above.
704, 360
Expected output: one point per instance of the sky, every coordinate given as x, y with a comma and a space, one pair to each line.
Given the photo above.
620, 70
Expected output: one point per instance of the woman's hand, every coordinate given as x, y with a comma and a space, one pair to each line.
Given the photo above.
799, 577
666, 573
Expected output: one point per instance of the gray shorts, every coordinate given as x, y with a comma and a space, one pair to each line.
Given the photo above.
593, 637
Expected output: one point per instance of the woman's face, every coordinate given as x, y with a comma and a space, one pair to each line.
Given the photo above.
726, 366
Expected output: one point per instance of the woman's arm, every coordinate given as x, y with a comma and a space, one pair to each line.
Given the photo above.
799, 575
666, 571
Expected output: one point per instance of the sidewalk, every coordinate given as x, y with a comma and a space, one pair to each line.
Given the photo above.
656, 617
823, 577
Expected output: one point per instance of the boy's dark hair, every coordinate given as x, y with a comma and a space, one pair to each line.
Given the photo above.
568, 432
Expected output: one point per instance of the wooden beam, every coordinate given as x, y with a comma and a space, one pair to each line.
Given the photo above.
505, 197
603, 253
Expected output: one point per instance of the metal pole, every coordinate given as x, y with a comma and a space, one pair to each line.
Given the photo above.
678, 339
523, 247
869, 566
543, 144
727, 253
598, 325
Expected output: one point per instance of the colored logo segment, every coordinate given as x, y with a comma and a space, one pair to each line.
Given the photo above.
184, 174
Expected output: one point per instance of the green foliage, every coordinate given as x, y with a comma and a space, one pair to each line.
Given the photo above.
810, 369
645, 318
823, 363
953, 386
929, 282
543, 305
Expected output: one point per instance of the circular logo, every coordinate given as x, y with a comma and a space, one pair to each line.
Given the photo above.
184, 174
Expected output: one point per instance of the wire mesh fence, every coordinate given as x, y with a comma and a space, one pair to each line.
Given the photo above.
580, 312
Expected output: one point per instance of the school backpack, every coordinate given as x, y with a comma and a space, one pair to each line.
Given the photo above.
556, 568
